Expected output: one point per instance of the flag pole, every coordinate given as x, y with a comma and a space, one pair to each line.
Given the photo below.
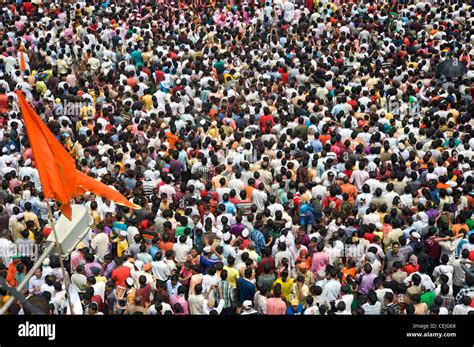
60, 253
27, 277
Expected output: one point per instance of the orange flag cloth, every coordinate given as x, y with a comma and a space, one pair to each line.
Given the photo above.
59, 177
56, 168
86, 183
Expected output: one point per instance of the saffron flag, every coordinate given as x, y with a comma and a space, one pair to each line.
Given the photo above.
88, 184
59, 177
56, 168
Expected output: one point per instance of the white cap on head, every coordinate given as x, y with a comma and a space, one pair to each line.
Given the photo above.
123, 233
227, 236
207, 249
247, 304
245, 232
129, 281
28, 162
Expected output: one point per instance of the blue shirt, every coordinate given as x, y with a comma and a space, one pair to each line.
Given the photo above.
317, 145
230, 208
205, 262
259, 239
290, 311
246, 290
152, 250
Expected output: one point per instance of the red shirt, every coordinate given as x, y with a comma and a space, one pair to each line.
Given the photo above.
268, 118
266, 261
409, 268
28, 7
3, 103
145, 293
329, 199
159, 76
370, 237
120, 274
98, 300
324, 138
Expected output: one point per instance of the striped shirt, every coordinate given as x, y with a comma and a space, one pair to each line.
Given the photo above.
466, 291
227, 294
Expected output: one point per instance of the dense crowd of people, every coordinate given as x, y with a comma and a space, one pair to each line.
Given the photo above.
288, 157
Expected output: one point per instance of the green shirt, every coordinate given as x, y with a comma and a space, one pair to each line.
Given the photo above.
470, 223
428, 298
180, 230
219, 66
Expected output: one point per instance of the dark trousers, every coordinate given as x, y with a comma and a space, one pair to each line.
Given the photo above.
228, 311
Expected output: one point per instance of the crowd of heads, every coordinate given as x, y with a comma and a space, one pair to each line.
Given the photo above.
288, 157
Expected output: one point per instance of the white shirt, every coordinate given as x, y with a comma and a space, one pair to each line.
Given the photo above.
331, 290
181, 250
462, 309
160, 270
100, 244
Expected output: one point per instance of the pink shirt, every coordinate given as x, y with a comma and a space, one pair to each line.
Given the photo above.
178, 299
319, 262
76, 258
276, 306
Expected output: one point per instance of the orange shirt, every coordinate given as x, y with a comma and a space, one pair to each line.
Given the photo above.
324, 138
172, 139
11, 274
442, 186
132, 81
351, 190
456, 228
249, 190
166, 246
348, 271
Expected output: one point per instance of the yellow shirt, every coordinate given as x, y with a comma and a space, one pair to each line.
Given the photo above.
101, 279
33, 217
41, 87
122, 246
232, 275
285, 286
148, 101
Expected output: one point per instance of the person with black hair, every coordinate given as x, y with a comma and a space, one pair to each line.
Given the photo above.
276, 304
372, 306
245, 287
464, 306
390, 305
